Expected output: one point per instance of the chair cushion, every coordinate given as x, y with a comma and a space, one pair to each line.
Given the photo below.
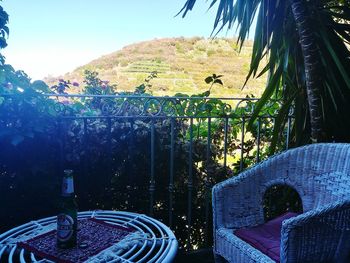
266, 237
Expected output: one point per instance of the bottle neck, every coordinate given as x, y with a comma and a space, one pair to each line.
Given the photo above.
67, 186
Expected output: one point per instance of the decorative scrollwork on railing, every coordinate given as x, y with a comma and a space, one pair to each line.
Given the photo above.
78, 105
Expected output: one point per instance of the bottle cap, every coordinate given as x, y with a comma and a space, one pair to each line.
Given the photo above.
68, 171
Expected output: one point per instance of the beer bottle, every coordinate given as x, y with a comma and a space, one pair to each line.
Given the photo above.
67, 219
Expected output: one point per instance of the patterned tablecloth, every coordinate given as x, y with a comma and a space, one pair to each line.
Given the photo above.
97, 235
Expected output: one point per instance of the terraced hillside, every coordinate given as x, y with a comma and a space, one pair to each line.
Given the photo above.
182, 65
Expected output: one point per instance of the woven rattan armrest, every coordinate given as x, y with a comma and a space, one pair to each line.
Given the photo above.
232, 202
319, 235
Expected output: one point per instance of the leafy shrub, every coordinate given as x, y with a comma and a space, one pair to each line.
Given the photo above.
111, 155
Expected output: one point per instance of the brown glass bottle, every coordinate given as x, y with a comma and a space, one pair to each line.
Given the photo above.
67, 218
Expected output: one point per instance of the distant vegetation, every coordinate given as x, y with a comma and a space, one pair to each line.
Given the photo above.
182, 65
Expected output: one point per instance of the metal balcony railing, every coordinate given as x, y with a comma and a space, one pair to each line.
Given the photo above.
178, 146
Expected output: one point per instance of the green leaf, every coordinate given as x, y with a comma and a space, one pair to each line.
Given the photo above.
187, 7
270, 88
208, 79
336, 60
181, 95
40, 85
218, 81
264, 70
279, 122
206, 94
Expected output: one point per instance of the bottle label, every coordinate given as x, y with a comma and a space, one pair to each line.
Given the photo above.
67, 186
64, 227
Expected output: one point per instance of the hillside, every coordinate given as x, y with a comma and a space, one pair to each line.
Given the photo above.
182, 65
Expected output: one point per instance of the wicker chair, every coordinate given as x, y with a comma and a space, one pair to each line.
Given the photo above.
320, 173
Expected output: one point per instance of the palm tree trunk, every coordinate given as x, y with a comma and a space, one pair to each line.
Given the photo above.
312, 63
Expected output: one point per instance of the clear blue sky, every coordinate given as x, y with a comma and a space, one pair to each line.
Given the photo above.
51, 37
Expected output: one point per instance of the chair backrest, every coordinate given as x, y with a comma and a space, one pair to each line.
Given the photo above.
320, 173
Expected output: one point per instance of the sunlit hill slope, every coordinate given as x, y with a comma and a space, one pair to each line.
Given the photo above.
182, 65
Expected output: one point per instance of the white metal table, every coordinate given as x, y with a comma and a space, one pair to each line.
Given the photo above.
157, 245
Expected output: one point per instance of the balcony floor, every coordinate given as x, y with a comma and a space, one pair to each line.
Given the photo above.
198, 256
